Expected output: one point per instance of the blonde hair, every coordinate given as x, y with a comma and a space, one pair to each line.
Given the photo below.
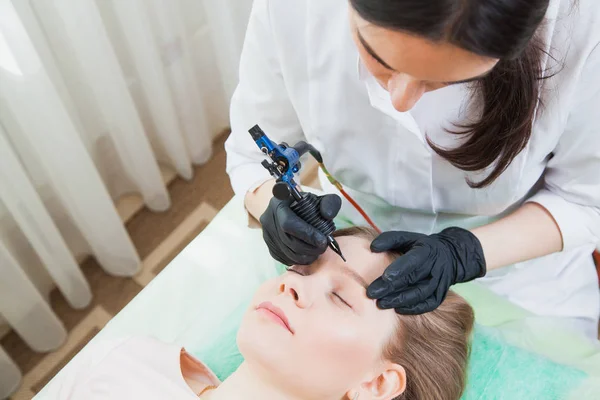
433, 347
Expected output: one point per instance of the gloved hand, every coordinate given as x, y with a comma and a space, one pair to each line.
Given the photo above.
418, 281
290, 239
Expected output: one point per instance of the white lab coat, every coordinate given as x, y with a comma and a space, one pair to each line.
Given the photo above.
301, 78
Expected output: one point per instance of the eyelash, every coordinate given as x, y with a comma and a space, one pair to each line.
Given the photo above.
335, 295
341, 299
376, 60
379, 62
291, 269
447, 84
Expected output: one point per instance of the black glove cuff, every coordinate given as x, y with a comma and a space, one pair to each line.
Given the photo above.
468, 250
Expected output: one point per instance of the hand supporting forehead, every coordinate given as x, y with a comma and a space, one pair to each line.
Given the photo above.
418, 281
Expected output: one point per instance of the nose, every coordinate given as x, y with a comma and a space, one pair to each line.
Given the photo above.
404, 91
294, 287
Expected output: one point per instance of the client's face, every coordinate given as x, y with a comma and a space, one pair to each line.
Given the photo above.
314, 329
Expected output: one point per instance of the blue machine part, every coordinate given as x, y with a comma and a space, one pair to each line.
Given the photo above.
285, 162
286, 159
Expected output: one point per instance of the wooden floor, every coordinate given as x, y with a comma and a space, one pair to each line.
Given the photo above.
158, 237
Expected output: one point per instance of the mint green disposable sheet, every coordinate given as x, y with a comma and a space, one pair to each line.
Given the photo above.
198, 299
497, 368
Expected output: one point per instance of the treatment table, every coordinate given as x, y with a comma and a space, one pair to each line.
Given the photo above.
194, 295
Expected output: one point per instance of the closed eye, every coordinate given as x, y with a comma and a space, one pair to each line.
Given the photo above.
302, 272
341, 299
296, 271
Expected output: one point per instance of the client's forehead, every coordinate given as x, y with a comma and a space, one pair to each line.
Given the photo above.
359, 258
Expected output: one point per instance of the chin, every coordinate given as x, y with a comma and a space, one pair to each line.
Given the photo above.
263, 342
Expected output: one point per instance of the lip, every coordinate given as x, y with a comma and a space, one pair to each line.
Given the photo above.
277, 313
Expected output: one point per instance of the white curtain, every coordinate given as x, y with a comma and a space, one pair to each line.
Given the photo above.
95, 97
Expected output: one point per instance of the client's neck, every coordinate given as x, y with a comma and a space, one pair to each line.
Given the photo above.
249, 383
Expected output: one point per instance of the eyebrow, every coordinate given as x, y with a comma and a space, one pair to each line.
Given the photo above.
349, 272
354, 275
372, 53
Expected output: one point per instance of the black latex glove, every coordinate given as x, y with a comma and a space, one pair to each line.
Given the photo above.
418, 281
290, 239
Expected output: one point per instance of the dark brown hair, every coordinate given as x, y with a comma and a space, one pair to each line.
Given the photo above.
433, 347
508, 96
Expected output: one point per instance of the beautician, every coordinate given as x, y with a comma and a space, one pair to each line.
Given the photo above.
469, 131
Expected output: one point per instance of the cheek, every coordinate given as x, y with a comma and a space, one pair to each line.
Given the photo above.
335, 342
252, 328
380, 73
434, 86
344, 346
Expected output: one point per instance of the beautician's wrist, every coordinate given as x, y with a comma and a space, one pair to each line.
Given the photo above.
487, 239
467, 248
257, 201
527, 233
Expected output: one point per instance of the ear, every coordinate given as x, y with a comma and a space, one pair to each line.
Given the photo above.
389, 384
